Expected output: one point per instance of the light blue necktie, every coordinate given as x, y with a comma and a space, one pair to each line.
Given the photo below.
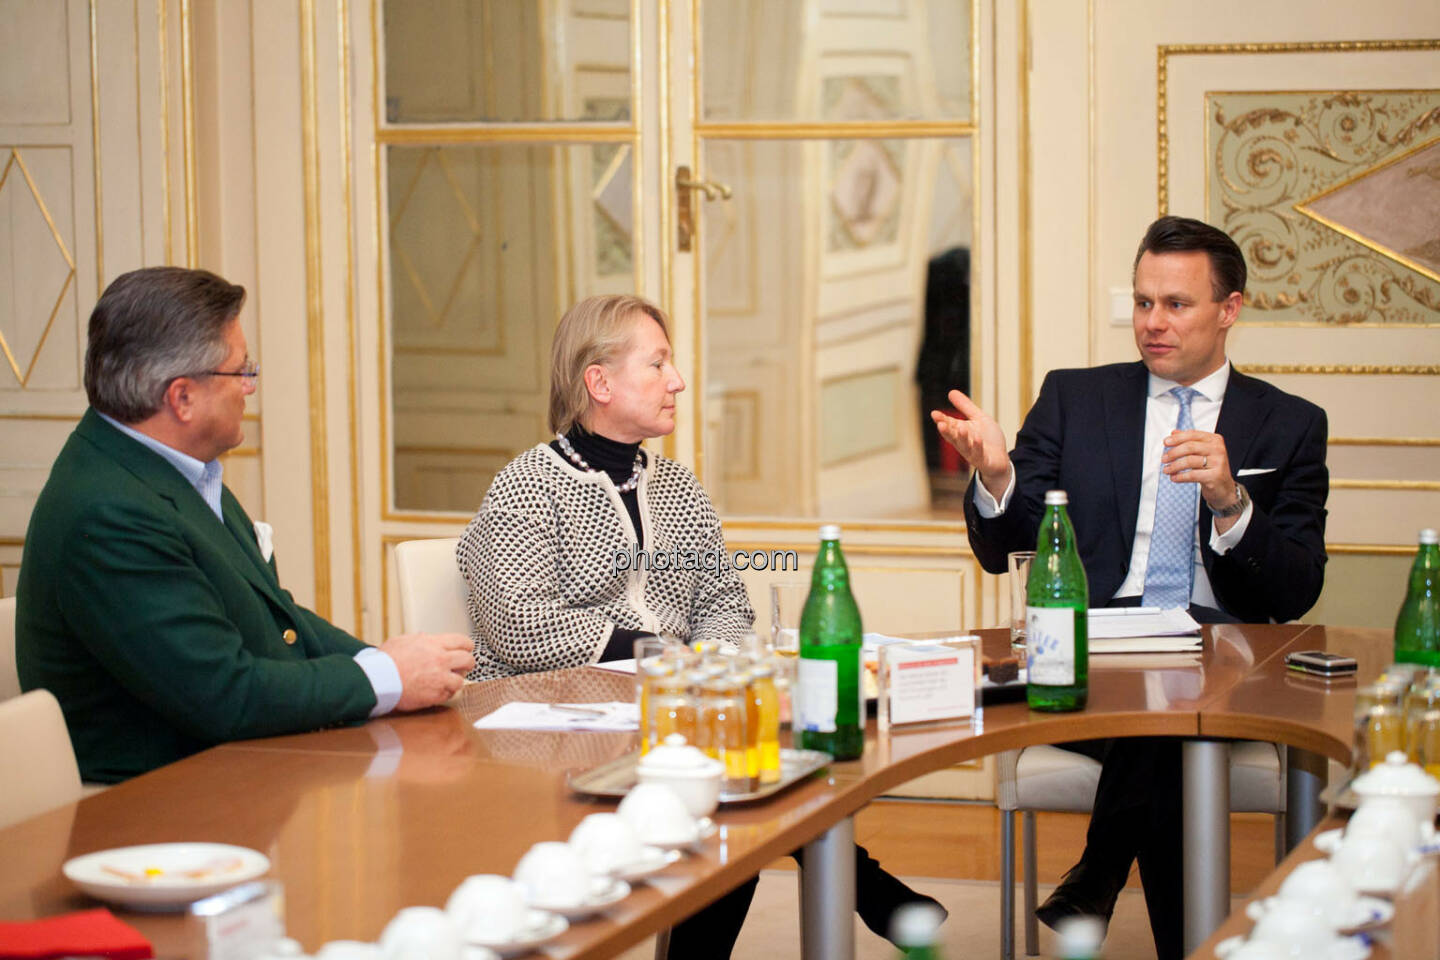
1171, 566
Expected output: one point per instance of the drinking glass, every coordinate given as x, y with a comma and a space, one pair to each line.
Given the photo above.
1378, 731
1020, 563
787, 601
672, 707
723, 728
1425, 741
651, 663
763, 693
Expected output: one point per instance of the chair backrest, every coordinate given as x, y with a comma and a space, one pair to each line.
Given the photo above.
9, 676
432, 592
37, 762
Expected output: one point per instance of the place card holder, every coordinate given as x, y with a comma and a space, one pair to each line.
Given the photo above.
927, 681
242, 923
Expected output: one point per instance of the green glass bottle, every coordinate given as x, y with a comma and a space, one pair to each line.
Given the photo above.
1417, 628
1057, 597
830, 709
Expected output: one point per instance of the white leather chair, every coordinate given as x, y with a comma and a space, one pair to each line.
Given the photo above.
1051, 779
432, 592
9, 677
37, 762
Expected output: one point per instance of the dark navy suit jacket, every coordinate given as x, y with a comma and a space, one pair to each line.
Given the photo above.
1086, 435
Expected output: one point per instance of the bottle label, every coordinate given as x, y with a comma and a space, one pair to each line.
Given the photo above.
818, 681
1050, 642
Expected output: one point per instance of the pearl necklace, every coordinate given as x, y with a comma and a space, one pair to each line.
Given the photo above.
579, 461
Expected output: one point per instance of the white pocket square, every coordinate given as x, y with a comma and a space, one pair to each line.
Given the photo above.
1252, 471
265, 538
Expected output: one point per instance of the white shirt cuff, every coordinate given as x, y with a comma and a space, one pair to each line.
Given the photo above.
384, 678
1221, 543
986, 504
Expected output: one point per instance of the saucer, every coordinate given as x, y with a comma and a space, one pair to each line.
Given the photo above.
605, 893
704, 829
652, 860
1365, 914
541, 927
164, 876
1328, 841
1346, 948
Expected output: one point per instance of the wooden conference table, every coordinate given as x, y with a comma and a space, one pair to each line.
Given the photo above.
360, 822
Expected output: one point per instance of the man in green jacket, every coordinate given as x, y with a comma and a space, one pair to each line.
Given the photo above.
148, 602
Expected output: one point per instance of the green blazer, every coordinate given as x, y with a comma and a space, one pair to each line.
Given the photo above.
159, 629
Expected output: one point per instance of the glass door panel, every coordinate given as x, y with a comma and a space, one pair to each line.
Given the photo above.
836, 314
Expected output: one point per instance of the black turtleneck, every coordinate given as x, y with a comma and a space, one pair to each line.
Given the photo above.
618, 460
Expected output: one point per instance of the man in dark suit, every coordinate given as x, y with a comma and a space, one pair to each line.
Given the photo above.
1190, 484
148, 602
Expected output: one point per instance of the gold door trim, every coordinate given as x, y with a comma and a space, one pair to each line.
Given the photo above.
461, 134
95, 146
314, 308
1384, 441
846, 130
1337, 484
352, 399
1362, 369
187, 128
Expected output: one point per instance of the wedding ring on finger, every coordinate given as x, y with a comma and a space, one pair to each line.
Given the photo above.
1204, 461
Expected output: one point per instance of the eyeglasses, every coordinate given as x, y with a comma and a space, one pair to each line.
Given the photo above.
250, 371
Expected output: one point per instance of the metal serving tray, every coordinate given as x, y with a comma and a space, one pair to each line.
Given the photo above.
614, 779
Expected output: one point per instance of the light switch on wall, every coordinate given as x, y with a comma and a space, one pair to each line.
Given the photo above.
1122, 303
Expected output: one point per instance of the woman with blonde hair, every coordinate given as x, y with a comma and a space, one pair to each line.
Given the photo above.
543, 555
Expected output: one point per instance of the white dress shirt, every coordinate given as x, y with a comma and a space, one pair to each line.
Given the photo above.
1162, 412
208, 481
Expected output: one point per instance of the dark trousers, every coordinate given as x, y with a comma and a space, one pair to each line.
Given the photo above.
710, 934
1137, 817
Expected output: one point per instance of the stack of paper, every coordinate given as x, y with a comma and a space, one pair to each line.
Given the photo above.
1142, 630
520, 715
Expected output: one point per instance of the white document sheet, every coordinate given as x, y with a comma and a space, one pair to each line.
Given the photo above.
1115, 622
615, 716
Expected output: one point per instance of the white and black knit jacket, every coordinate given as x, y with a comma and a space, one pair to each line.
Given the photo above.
541, 555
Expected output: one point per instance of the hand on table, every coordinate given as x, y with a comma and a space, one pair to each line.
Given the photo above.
432, 666
979, 441
1193, 456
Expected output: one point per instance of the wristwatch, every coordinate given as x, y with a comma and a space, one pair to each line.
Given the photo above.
1242, 500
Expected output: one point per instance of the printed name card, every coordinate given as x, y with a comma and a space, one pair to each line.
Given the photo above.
928, 681
241, 923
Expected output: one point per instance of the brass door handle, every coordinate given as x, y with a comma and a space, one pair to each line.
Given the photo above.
685, 188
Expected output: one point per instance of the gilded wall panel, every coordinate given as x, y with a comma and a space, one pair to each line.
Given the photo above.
1277, 157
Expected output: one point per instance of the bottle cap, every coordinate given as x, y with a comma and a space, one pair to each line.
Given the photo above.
915, 924
830, 531
1056, 496
1428, 535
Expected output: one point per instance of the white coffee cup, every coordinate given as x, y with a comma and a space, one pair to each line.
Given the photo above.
553, 875
488, 908
1258, 950
606, 842
658, 814
1389, 817
1374, 864
1294, 928
1323, 888
420, 933
349, 950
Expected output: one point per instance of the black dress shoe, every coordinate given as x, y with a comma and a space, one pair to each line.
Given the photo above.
1084, 892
